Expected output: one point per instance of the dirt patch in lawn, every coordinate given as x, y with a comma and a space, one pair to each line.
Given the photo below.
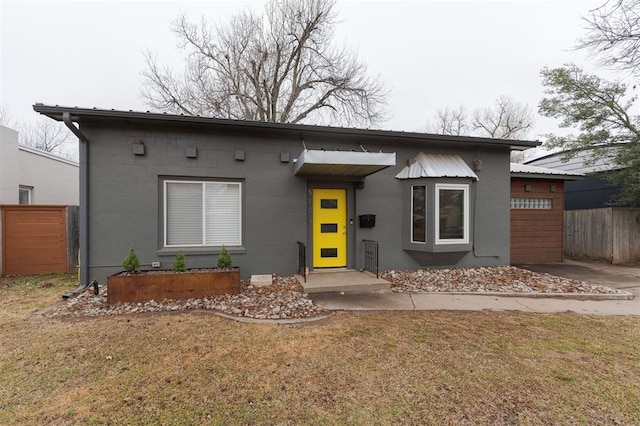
191, 367
23, 296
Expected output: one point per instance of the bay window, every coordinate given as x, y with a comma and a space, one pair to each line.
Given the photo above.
437, 216
452, 213
419, 214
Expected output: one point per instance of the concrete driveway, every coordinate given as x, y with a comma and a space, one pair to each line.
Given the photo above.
623, 277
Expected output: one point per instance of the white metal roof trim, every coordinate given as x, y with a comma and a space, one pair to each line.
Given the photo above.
574, 164
342, 163
525, 168
437, 165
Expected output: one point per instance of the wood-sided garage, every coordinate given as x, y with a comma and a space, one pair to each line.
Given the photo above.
537, 213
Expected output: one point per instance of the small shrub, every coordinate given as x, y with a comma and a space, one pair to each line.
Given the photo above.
180, 264
131, 263
224, 258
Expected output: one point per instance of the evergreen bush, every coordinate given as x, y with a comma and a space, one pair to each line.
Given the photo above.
131, 263
224, 258
180, 264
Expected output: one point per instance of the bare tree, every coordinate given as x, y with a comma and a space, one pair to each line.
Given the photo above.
282, 66
6, 117
613, 35
505, 119
450, 121
46, 135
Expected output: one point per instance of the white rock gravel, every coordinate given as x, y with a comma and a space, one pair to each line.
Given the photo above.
499, 279
282, 300
285, 298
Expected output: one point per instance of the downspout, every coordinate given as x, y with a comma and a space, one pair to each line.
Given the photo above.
84, 197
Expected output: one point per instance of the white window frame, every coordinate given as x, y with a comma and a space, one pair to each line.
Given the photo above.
456, 187
204, 229
29, 190
425, 215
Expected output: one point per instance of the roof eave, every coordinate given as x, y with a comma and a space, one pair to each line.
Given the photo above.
546, 176
77, 114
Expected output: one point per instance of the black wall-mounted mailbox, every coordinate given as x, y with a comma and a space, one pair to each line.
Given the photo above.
367, 220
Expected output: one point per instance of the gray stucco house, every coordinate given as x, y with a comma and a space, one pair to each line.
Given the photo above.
172, 182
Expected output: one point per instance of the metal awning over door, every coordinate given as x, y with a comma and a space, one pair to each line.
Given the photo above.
342, 163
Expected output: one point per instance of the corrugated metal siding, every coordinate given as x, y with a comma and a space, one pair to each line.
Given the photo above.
437, 165
574, 164
535, 170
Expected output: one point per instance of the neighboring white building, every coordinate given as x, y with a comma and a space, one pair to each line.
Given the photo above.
32, 176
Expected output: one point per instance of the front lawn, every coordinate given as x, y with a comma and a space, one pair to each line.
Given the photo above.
193, 367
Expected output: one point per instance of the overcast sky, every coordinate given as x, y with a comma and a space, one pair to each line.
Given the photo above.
429, 54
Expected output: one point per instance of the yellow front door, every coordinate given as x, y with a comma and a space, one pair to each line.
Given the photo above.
329, 228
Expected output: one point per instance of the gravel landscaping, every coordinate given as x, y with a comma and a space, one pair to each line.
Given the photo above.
282, 300
499, 279
285, 298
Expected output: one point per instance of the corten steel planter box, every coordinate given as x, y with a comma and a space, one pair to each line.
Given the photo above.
158, 285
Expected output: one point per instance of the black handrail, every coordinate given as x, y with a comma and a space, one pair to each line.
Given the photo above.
302, 260
370, 257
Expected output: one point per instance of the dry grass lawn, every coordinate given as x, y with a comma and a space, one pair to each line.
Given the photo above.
353, 368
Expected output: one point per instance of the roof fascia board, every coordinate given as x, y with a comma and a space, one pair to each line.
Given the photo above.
546, 176
78, 114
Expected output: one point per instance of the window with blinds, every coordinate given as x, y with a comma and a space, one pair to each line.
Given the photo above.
202, 213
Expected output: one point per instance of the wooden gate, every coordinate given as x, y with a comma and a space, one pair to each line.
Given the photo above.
34, 240
610, 233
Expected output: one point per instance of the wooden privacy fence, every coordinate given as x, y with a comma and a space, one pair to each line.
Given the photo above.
39, 239
611, 233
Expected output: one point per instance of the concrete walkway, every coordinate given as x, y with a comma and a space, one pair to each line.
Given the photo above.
337, 281
623, 277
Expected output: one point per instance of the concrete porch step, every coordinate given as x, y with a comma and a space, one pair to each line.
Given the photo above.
339, 281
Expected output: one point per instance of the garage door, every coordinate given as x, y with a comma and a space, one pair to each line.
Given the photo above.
34, 240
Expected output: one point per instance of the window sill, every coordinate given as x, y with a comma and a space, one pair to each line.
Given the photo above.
213, 250
437, 248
